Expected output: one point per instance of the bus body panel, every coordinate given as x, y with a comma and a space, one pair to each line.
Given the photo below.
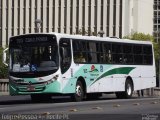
109, 78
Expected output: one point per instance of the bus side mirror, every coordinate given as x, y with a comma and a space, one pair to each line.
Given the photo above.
5, 56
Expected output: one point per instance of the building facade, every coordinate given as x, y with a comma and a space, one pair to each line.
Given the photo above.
156, 20
138, 16
115, 17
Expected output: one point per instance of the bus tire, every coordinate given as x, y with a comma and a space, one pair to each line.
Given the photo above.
128, 89
79, 92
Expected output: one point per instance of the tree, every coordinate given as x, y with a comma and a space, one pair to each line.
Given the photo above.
140, 36
3, 68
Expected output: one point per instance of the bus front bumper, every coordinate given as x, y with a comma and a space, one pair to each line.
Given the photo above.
34, 89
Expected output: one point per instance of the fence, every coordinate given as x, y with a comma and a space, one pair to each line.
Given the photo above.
4, 87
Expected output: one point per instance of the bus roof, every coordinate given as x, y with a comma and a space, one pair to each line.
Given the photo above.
92, 38
97, 38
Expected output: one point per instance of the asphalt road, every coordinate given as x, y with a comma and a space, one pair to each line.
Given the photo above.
106, 108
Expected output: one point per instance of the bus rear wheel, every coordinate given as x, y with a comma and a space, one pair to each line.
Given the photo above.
79, 92
128, 90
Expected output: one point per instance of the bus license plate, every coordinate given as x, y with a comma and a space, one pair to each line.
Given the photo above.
31, 88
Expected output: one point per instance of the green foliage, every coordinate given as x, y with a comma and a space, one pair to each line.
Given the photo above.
156, 51
139, 36
3, 68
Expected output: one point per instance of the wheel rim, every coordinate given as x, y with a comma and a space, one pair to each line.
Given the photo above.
78, 91
129, 89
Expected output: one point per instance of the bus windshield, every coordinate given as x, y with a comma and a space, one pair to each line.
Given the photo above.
33, 57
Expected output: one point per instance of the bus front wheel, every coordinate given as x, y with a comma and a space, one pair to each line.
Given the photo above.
79, 92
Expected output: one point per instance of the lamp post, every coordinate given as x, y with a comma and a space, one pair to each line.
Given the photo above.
101, 32
38, 24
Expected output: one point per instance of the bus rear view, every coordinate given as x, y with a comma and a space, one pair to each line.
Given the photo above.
33, 66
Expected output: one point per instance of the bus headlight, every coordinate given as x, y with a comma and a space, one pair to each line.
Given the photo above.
55, 77
49, 81
52, 80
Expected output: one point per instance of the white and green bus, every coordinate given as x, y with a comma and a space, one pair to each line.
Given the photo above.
43, 65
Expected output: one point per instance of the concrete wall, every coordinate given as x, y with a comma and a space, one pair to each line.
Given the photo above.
145, 16
138, 16
64, 16
4, 87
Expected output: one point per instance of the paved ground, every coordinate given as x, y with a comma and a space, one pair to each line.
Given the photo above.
106, 108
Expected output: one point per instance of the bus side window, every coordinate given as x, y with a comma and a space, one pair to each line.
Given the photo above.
107, 52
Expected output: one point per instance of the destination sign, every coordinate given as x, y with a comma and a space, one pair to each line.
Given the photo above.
32, 39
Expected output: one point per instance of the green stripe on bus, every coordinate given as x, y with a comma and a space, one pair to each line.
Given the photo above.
121, 70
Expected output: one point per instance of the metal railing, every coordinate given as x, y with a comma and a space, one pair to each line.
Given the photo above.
4, 87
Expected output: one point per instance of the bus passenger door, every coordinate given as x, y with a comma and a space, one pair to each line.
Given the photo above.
65, 60
65, 55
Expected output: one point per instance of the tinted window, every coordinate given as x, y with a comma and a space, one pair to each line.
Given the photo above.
137, 49
116, 48
127, 48
80, 49
112, 53
33, 55
147, 49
